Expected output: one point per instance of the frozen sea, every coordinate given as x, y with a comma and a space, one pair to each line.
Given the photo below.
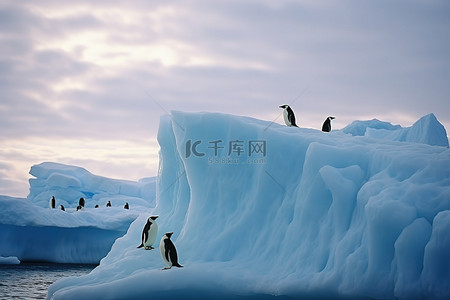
31, 280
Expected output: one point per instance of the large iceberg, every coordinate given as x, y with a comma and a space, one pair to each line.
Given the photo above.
260, 210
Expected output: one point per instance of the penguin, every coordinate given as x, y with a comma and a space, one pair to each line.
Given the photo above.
326, 127
168, 251
96, 205
53, 202
149, 233
288, 114
62, 208
126, 206
108, 204
79, 207
81, 202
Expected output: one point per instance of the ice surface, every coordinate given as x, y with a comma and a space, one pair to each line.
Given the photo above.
314, 215
70, 183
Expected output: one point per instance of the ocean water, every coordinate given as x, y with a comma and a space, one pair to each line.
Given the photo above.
31, 280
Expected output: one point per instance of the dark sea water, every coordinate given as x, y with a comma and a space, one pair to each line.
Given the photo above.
31, 280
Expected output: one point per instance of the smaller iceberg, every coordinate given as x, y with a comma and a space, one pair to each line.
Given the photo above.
10, 260
31, 231
70, 183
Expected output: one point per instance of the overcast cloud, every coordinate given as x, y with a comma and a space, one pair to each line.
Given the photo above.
85, 82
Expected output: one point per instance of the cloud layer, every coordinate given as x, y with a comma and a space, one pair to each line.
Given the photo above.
99, 73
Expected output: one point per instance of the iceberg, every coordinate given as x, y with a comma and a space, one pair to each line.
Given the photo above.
70, 183
261, 210
31, 231
10, 260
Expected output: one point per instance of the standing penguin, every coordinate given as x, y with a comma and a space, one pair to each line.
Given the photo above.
288, 114
108, 204
126, 206
81, 202
62, 207
326, 127
52, 202
149, 233
168, 251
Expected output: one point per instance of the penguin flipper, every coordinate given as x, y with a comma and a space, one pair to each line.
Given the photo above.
166, 253
171, 253
292, 120
291, 117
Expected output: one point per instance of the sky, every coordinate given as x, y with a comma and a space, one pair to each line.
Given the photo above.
85, 82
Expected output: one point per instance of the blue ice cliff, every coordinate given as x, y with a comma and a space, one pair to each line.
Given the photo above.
259, 209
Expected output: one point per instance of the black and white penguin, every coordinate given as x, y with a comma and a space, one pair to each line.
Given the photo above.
62, 207
108, 204
126, 206
288, 114
81, 202
326, 127
149, 233
96, 205
52, 202
79, 207
168, 251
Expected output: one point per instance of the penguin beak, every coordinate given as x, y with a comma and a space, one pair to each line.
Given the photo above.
332, 118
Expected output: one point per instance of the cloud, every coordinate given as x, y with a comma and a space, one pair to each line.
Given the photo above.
103, 71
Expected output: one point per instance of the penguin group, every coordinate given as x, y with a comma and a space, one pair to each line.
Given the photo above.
166, 246
81, 204
289, 118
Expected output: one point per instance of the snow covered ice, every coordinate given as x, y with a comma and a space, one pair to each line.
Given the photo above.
262, 209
